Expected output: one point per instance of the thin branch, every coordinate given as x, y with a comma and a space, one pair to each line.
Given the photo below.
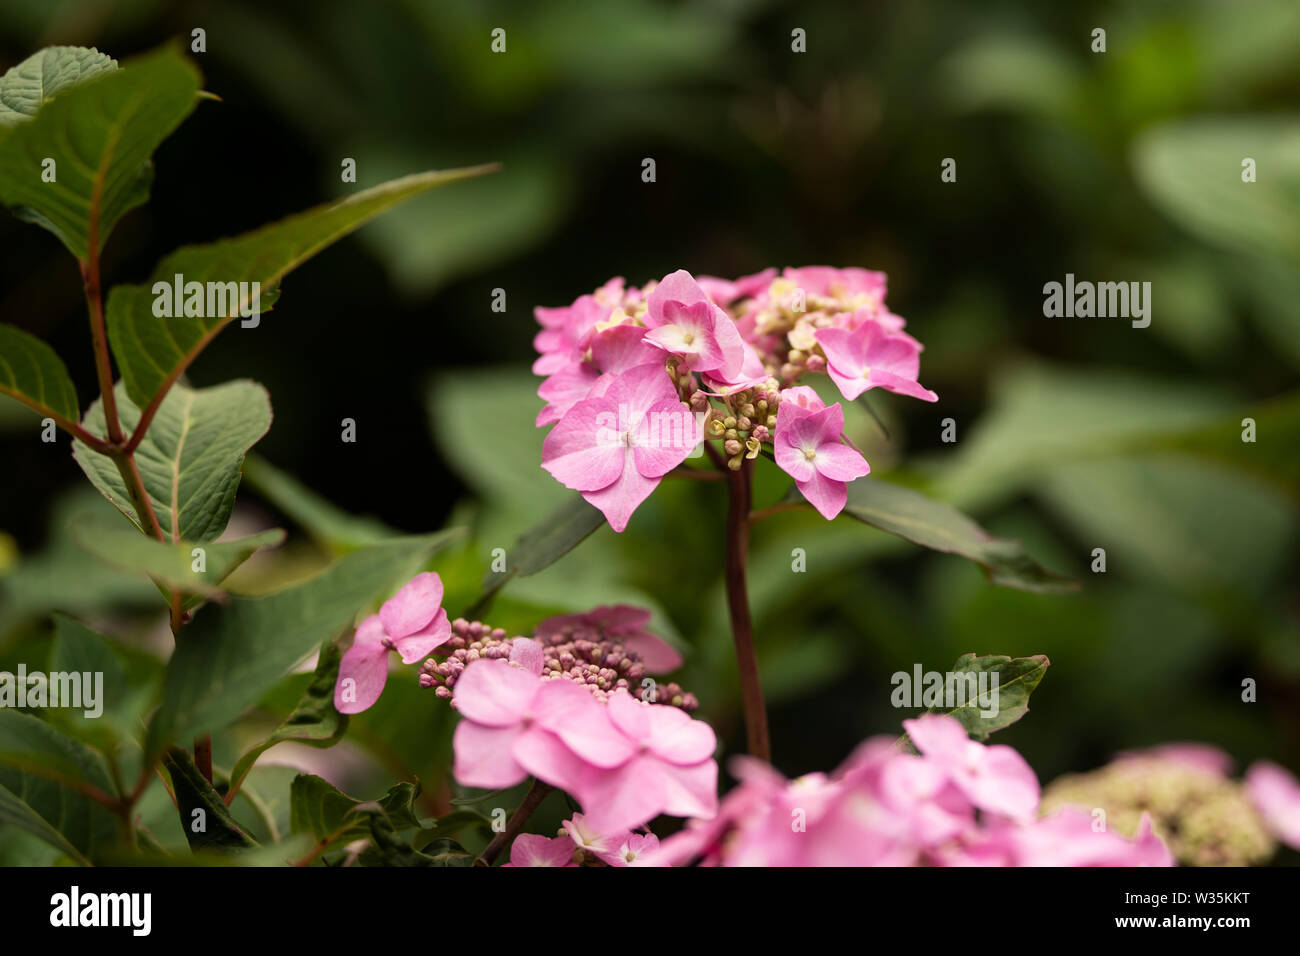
739, 503
777, 508
536, 794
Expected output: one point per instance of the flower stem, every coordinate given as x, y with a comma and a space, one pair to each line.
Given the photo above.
739, 502
536, 794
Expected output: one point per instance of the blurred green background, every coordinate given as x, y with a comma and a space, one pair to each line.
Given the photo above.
1073, 434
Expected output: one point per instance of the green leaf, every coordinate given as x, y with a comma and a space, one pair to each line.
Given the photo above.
153, 351
31, 372
388, 850
1017, 679
101, 135
170, 564
1192, 169
330, 815
327, 524
314, 720
18, 813
941, 527
129, 687
40, 767
207, 822
234, 653
27, 87
543, 544
189, 459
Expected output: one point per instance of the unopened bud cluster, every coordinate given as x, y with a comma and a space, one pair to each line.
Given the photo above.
584, 656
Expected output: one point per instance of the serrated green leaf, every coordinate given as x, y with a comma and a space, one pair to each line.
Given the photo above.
189, 459
31, 372
171, 564
25, 88
207, 822
941, 527
1017, 679
234, 653
153, 351
314, 720
37, 764
101, 134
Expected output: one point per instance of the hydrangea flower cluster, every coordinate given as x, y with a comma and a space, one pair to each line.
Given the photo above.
1205, 817
579, 845
636, 378
955, 803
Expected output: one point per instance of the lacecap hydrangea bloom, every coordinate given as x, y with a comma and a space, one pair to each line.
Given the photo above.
637, 378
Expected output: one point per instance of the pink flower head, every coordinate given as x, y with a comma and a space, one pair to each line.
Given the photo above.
1069, 838
532, 849
616, 446
808, 448
634, 849
843, 284
1276, 795
565, 332
586, 837
871, 357
623, 623
411, 622
516, 724
995, 779
669, 769
685, 322
1203, 757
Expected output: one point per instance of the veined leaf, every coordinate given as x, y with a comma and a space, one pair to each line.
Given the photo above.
153, 351
941, 527
31, 372
37, 765
234, 653
101, 134
207, 822
999, 707
25, 88
189, 459
314, 720
170, 564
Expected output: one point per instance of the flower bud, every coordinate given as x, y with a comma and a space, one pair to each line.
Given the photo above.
732, 447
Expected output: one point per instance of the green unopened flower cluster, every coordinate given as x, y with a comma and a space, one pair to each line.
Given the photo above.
1205, 818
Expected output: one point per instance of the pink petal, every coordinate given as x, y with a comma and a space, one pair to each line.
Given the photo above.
569, 711
494, 693
669, 433
546, 757
677, 287
850, 385
902, 386
528, 654
485, 755
362, 675
416, 647
677, 738
619, 500
1276, 795
690, 791
656, 654
412, 607
533, 849
630, 716
839, 462
583, 450
939, 736
623, 347
625, 797
825, 494
1005, 784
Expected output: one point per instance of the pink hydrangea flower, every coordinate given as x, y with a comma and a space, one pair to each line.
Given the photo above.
685, 322
995, 779
531, 849
616, 446
633, 850
872, 357
1276, 795
1068, 838
516, 724
411, 622
808, 447
669, 768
